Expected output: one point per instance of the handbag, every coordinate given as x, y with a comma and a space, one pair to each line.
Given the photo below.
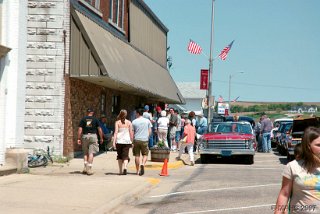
184, 140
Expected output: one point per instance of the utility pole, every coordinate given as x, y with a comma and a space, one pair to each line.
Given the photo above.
230, 76
209, 93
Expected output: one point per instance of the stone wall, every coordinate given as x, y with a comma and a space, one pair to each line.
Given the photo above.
47, 62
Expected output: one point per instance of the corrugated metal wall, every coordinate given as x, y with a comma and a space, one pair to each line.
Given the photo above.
82, 61
147, 36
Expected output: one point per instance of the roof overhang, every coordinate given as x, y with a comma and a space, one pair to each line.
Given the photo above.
124, 67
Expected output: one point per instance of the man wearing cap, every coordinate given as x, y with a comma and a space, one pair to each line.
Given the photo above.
148, 115
203, 124
88, 129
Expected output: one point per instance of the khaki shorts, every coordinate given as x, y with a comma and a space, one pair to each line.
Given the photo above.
90, 144
140, 146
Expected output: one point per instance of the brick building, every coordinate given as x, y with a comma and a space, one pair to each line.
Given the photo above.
107, 54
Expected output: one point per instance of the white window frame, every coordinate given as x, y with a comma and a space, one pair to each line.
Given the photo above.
97, 4
119, 24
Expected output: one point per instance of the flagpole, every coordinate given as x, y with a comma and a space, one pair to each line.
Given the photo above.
209, 93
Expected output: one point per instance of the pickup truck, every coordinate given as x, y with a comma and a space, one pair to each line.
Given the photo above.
228, 139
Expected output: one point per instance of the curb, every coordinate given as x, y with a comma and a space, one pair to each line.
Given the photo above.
8, 171
130, 196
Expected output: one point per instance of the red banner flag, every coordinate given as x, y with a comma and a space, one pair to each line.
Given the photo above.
204, 79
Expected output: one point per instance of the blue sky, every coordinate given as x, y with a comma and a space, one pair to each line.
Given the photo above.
277, 46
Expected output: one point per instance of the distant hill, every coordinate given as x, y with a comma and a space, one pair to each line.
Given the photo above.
248, 103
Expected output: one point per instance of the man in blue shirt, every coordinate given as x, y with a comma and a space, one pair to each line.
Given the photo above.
202, 125
107, 134
142, 131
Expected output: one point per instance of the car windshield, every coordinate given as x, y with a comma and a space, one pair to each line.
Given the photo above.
284, 127
244, 128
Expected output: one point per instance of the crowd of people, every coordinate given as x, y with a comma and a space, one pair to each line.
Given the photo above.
300, 190
145, 130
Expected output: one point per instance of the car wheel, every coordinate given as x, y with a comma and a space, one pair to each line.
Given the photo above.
204, 158
250, 159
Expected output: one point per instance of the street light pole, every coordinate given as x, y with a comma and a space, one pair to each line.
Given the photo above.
209, 92
230, 76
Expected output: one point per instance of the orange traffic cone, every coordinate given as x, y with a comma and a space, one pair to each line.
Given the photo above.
164, 171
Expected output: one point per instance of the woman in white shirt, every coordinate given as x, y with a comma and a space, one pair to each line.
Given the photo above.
123, 136
163, 123
301, 179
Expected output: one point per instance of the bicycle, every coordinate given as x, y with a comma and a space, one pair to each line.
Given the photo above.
40, 157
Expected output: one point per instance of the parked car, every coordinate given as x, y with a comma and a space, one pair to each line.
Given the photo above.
281, 136
242, 118
276, 125
296, 134
228, 139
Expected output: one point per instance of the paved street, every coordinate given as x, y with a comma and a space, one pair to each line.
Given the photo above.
62, 188
219, 187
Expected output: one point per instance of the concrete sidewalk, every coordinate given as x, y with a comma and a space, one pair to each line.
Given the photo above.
62, 188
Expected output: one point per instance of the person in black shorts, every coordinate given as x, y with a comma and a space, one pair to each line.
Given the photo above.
87, 137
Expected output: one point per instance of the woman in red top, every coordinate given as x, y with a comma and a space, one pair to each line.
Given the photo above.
190, 132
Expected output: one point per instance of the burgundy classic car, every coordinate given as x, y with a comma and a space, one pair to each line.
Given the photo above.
228, 139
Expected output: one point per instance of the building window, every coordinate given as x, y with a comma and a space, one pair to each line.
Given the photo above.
103, 103
97, 4
115, 109
116, 15
92, 5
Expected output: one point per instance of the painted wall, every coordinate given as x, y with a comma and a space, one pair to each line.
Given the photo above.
12, 75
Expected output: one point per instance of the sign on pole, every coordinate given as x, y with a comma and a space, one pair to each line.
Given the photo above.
204, 79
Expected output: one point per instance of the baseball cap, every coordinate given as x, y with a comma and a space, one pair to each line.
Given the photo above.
158, 108
90, 110
103, 116
146, 107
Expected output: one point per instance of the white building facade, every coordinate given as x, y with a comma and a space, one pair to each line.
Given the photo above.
12, 74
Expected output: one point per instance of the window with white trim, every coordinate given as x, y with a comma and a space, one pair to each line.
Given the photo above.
116, 14
97, 4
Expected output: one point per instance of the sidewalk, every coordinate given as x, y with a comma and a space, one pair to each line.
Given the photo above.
62, 188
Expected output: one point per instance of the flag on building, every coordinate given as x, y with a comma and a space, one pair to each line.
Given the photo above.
194, 48
224, 53
235, 100
220, 99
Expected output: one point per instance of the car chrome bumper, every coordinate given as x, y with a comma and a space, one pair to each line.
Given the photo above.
227, 152
291, 151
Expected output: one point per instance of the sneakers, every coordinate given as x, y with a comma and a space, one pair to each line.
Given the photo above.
124, 172
178, 158
192, 163
84, 171
141, 170
89, 170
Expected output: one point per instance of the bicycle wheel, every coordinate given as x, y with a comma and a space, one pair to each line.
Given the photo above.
41, 161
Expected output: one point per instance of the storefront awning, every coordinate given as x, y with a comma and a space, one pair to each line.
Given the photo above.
4, 50
121, 62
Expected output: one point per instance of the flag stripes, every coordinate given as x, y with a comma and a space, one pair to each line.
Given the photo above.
224, 53
194, 48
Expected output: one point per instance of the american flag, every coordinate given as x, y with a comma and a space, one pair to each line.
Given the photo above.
224, 53
220, 99
235, 100
194, 48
